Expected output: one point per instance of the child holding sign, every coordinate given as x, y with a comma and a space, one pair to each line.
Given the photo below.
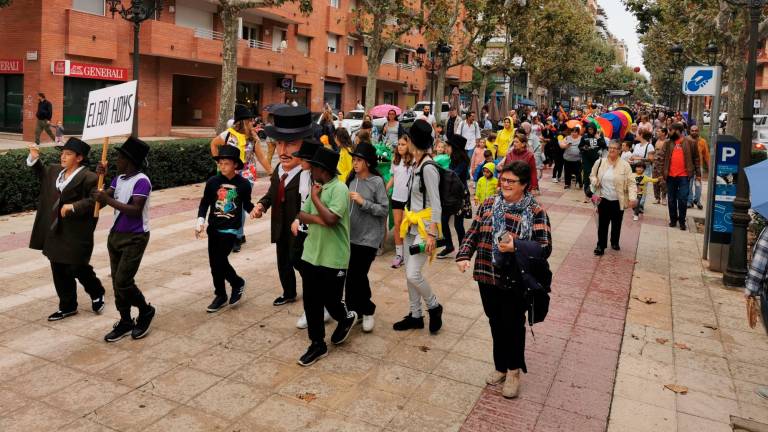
128, 194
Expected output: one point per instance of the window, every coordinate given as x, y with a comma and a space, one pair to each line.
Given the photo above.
95, 7
333, 43
365, 50
335, 3
302, 44
251, 32
351, 49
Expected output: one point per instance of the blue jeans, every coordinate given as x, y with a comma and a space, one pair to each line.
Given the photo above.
678, 189
694, 196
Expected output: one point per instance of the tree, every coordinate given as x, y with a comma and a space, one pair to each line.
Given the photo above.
382, 23
229, 11
4, 3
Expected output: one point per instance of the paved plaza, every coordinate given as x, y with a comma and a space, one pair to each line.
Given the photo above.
621, 327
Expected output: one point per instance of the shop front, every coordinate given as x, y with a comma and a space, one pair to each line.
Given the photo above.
332, 95
250, 95
11, 95
79, 80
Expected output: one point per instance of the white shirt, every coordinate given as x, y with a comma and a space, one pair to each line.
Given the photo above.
608, 184
471, 132
305, 186
401, 173
430, 119
643, 151
61, 182
291, 174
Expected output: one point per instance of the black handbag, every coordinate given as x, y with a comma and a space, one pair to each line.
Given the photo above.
466, 206
536, 283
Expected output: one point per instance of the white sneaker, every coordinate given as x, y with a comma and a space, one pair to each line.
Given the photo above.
368, 323
555, 180
635, 217
302, 322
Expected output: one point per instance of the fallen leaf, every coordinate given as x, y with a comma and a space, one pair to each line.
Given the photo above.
677, 388
186, 273
662, 340
646, 300
307, 397
424, 348
634, 337
142, 406
682, 346
710, 326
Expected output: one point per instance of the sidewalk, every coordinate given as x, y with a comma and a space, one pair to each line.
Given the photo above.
599, 362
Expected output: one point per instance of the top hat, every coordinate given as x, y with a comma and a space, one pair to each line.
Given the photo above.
135, 150
290, 124
78, 147
366, 151
457, 142
421, 134
232, 153
308, 149
242, 113
271, 108
326, 159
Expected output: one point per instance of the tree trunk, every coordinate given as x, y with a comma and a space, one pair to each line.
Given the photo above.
483, 87
371, 81
228, 67
736, 68
440, 93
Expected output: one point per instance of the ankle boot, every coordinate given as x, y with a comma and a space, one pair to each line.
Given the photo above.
512, 384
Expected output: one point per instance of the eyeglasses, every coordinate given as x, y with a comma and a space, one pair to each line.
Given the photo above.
508, 180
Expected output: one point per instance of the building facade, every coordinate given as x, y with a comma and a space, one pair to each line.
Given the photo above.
67, 48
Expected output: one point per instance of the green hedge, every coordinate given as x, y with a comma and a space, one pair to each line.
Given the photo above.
171, 163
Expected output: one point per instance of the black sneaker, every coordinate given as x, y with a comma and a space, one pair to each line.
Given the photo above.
409, 322
143, 323
283, 300
599, 251
315, 352
682, 226
119, 330
217, 303
237, 294
435, 318
236, 246
672, 224
59, 315
615, 247
97, 305
699, 205
445, 253
344, 328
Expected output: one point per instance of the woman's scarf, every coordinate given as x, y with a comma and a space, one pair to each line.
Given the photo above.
524, 228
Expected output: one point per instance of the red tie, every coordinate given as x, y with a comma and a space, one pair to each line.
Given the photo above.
281, 191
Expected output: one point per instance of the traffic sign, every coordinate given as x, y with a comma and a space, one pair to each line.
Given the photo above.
701, 80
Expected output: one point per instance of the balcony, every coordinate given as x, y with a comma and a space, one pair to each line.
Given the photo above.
254, 54
411, 75
167, 40
334, 65
388, 71
91, 35
355, 65
208, 45
287, 13
336, 21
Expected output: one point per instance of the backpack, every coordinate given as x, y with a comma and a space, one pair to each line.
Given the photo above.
451, 189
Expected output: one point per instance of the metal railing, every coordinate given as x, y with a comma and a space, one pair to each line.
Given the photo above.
208, 34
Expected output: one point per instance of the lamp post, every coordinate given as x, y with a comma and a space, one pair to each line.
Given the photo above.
736, 271
677, 51
138, 12
441, 54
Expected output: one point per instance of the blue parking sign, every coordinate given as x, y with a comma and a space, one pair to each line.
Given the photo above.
726, 179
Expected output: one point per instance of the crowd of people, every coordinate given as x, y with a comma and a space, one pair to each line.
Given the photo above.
334, 197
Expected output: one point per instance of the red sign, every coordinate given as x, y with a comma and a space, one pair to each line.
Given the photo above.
84, 70
60, 67
11, 66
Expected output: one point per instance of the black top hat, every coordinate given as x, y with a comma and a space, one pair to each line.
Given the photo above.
326, 159
290, 124
232, 153
366, 151
78, 147
135, 150
457, 142
242, 113
271, 108
308, 149
421, 134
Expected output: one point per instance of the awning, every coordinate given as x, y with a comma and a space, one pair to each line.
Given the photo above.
526, 102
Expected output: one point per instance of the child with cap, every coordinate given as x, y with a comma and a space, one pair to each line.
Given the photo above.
226, 197
325, 259
487, 184
128, 194
64, 224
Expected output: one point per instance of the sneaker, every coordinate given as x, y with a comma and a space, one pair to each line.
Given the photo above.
495, 377
344, 328
59, 315
682, 226
511, 387
97, 305
445, 253
315, 352
762, 392
699, 205
302, 322
555, 180
368, 323
217, 303
143, 323
635, 217
435, 318
599, 251
672, 224
409, 322
567, 187
237, 294
690, 205
119, 330
236, 246
397, 262
283, 300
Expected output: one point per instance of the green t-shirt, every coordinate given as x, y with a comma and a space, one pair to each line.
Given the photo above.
329, 246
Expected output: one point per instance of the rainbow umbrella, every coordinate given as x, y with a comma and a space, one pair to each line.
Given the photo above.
628, 111
626, 121
615, 122
605, 125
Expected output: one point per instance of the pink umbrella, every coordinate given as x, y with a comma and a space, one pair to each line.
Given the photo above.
382, 110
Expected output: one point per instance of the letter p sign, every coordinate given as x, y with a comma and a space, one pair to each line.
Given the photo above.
728, 153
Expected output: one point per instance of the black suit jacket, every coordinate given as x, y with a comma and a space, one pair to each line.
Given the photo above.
287, 213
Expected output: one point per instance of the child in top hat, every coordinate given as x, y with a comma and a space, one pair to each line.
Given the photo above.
64, 224
228, 196
129, 195
326, 254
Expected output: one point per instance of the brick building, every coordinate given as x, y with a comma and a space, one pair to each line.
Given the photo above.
66, 48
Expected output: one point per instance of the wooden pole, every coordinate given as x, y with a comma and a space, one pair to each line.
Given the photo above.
100, 185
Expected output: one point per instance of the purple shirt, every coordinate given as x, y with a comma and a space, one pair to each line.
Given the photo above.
141, 187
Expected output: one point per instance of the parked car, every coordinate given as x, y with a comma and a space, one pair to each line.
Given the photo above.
705, 117
760, 140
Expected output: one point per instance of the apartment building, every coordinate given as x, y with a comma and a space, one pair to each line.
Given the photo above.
67, 48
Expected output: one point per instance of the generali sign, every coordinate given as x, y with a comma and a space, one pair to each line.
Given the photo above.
90, 71
11, 66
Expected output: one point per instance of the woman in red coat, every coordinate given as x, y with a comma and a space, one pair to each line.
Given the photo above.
520, 152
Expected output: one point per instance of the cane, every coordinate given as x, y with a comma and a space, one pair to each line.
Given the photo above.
100, 184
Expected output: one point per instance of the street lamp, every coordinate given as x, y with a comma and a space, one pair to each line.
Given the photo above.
440, 55
677, 51
736, 271
711, 51
138, 12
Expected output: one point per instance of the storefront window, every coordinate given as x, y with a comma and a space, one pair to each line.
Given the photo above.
301, 96
332, 95
76, 100
249, 94
11, 102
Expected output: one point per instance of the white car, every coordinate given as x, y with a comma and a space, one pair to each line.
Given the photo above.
354, 119
705, 117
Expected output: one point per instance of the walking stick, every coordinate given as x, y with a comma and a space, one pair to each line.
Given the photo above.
100, 184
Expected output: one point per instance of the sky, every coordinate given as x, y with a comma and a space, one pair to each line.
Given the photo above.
623, 24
